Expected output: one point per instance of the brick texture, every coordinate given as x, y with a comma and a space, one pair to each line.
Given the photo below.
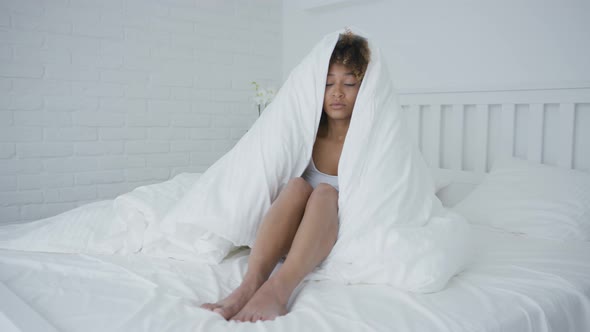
99, 97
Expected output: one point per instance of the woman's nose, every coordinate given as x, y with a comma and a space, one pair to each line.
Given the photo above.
337, 92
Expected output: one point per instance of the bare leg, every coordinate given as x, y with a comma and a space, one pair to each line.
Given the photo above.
313, 242
273, 241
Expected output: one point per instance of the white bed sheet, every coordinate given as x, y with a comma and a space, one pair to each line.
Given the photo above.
517, 284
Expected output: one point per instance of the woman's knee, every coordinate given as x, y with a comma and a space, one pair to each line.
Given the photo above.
300, 186
324, 192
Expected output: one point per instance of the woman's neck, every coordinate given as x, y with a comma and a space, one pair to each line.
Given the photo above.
335, 130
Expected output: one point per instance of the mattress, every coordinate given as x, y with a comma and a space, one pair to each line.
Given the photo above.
516, 284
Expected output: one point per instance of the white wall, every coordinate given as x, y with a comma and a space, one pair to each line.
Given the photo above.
457, 44
100, 96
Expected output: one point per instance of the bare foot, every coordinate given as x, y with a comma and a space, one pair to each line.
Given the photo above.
235, 301
266, 304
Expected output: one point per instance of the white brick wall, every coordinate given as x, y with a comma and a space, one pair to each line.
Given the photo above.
99, 97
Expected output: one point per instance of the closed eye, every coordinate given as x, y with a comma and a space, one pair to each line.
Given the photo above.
351, 85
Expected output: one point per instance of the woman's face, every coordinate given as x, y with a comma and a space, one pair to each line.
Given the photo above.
341, 90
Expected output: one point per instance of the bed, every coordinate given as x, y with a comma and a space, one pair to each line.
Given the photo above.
524, 277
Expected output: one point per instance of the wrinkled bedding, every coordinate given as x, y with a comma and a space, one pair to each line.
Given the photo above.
516, 284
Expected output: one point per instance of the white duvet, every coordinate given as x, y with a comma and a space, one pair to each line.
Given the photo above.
393, 229
516, 284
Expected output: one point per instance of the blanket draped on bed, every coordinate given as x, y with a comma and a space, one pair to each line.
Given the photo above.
393, 229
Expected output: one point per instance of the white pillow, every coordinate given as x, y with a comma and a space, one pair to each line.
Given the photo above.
440, 182
533, 199
454, 192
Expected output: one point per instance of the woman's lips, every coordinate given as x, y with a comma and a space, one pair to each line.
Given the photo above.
337, 106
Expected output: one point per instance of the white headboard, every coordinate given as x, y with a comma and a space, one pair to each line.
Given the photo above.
460, 134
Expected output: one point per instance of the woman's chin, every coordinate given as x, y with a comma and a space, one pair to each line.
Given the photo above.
339, 117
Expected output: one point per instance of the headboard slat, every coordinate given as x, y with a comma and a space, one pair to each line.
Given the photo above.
457, 123
482, 117
535, 133
507, 128
567, 118
434, 137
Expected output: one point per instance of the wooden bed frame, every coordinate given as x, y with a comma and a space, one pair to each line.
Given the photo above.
461, 134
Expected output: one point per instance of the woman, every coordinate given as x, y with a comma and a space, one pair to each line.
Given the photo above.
303, 220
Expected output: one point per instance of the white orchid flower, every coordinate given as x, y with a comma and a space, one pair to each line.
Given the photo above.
262, 97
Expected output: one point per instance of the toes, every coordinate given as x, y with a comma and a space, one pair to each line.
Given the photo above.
223, 312
209, 306
243, 317
251, 317
271, 317
238, 317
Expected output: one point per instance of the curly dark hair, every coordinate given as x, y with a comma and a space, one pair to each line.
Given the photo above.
352, 51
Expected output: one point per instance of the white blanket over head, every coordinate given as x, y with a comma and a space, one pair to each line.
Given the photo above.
393, 229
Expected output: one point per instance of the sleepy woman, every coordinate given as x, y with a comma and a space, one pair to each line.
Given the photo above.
302, 223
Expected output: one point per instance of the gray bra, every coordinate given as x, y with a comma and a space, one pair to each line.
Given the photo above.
314, 177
